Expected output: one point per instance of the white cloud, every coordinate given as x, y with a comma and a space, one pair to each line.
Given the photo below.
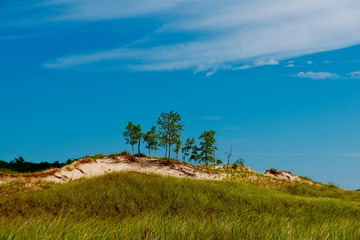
258, 63
231, 32
327, 62
309, 62
355, 75
243, 67
317, 75
210, 73
210, 69
290, 65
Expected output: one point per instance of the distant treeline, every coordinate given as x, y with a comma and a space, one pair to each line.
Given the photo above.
21, 166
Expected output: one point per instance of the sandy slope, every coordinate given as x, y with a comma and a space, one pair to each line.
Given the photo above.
88, 167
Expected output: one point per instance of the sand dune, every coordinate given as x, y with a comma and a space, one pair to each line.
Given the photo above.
88, 167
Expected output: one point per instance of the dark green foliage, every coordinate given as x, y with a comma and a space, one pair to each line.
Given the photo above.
195, 156
177, 147
207, 146
142, 155
133, 135
187, 149
19, 165
152, 139
239, 162
170, 130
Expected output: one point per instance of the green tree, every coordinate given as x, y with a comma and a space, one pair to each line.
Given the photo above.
239, 162
177, 147
170, 129
207, 146
195, 156
188, 146
133, 135
151, 138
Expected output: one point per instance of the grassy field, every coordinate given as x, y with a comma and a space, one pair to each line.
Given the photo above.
131, 205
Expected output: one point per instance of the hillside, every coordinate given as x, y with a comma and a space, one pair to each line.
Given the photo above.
129, 205
122, 196
100, 164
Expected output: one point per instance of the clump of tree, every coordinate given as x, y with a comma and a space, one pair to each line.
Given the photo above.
169, 136
133, 135
170, 131
237, 163
151, 138
22, 166
207, 147
189, 150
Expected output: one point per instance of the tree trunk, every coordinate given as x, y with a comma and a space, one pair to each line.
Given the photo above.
139, 147
229, 156
206, 157
166, 150
149, 151
132, 149
177, 156
169, 150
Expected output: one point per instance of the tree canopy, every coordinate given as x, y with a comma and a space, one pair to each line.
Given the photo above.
170, 129
133, 135
151, 138
207, 146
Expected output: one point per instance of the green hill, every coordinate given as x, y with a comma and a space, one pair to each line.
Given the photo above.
130, 205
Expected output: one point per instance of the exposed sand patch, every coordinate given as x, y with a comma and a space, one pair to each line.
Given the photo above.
88, 167
283, 175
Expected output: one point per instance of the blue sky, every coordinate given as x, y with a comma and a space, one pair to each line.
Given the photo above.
277, 80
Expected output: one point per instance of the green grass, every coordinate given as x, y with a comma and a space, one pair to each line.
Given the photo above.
314, 189
140, 206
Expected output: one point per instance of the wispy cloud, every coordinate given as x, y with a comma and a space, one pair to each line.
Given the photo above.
227, 33
355, 75
258, 63
317, 75
209, 118
289, 65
